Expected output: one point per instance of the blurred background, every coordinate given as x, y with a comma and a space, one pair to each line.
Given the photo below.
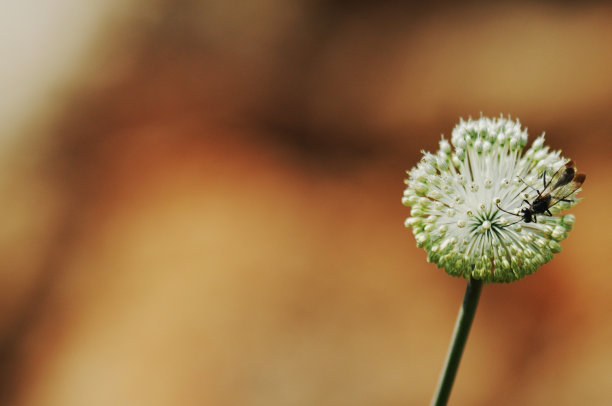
202, 201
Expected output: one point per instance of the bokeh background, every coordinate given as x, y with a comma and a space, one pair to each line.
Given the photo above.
201, 201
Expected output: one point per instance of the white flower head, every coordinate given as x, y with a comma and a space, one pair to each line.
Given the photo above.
472, 203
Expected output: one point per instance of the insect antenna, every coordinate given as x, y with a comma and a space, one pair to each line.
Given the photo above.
506, 211
511, 224
514, 214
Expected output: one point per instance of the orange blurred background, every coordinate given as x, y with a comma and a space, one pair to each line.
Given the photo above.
202, 202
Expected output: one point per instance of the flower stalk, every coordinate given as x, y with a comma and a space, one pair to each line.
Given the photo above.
460, 335
486, 209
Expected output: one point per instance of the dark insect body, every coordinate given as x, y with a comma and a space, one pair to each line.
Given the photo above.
564, 183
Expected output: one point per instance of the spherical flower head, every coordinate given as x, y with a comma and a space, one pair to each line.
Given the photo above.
472, 202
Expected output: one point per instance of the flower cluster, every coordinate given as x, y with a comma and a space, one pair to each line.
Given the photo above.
466, 202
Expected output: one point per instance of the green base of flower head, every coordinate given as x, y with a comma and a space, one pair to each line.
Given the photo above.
460, 196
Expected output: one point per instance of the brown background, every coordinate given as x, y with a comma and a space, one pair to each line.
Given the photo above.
208, 212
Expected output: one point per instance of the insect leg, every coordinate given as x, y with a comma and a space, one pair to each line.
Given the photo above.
577, 184
529, 186
549, 213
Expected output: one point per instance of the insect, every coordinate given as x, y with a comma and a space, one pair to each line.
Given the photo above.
562, 185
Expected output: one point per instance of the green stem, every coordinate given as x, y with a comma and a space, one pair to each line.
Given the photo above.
460, 335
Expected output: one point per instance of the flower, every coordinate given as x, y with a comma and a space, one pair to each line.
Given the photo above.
468, 202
